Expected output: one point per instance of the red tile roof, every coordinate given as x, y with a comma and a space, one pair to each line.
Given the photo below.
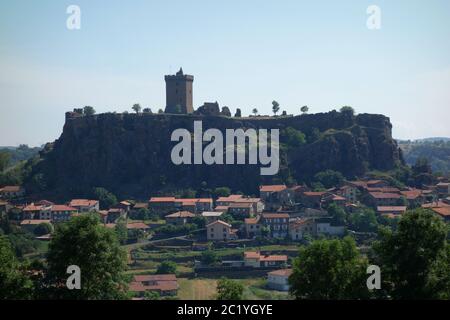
33, 207
61, 207
162, 199
275, 215
181, 214
282, 272
220, 222
230, 198
391, 209
273, 258
411, 194
384, 195
11, 189
442, 211
34, 222
251, 220
82, 203
272, 188
137, 225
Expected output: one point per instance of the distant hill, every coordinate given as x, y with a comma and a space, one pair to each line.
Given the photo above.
436, 150
20, 153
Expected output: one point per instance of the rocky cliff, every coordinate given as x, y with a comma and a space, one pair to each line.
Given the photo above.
129, 154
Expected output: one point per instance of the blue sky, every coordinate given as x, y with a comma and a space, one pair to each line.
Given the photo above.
242, 53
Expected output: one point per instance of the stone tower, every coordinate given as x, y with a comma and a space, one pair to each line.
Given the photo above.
179, 93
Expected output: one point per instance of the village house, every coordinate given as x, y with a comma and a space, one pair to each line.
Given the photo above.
162, 205
279, 279
391, 210
30, 224
377, 199
241, 210
62, 213
252, 227
349, 192
139, 205
220, 231
165, 205
195, 205
163, 284
256, 260
115, 214
443, 212
278, 224
179, 218
85, 205
413, 196
211, 216
138, 226
312, 199
226, 201
10, 192
124, 206
443, 189
271, 193
5, 206
325, 226
33, 212
330, 198
298, 228
222, 209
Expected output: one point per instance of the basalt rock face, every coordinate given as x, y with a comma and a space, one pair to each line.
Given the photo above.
130, 155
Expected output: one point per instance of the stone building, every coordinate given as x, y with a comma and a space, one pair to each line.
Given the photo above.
179, 93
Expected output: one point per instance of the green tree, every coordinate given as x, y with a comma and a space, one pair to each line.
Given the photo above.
121, 231
42, 229
136, 107
160, 111
13, 284
275, 107
151, 295
255, 111
88, 111
167, 267
147, 110
415, 257
238, 113
346, 110
337, 213
84, 242
304, 109
329, 269
293, 137
229, 289
106, 198
329, 178
5, 157
209, 257
363, 221
222, 192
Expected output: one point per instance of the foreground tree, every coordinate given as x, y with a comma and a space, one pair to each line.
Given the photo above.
415, 259
84, 242
229, 289
13, 284
329, 269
